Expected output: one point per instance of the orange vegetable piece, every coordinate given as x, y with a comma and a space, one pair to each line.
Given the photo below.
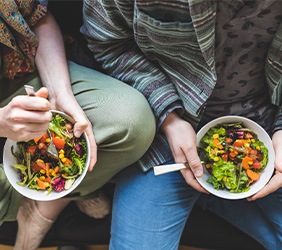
228, 140
224, 157
217, 144
41, 164
47, 169
245, 162
41, 184
37, 166
252, 152
31, 149
67, 162
59, 142
254, 176
41, 138
248, 136
238, 143
257, 165
48, 179
36, 140
232, 154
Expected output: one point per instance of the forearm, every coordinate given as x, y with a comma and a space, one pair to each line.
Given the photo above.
51, 58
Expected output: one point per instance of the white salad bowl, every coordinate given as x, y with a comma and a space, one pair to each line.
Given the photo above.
266, 174
9, 160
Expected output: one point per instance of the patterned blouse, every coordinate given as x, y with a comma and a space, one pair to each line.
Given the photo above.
244, 32
18, 42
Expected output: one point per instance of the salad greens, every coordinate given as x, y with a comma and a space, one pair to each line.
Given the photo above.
39, 170
234, 156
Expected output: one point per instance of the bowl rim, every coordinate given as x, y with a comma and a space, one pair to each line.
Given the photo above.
38, 194
270, 165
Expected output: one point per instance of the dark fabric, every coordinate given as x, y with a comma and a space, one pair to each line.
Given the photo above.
242, 43
203, 230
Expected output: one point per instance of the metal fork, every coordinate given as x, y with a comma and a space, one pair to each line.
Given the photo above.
51, 148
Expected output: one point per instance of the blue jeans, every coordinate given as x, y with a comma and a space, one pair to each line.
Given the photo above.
150, 212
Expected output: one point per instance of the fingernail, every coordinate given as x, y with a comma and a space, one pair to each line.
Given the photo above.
198, 173
77, 133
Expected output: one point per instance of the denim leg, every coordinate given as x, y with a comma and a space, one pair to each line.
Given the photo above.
150, 212
261, 219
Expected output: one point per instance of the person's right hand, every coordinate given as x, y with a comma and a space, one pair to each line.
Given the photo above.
182, 140
26, 117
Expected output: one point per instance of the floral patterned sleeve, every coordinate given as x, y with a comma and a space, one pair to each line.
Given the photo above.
18, 42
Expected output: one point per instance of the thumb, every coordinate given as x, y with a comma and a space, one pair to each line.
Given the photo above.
78, 129
42, 92
277, 145
194, 163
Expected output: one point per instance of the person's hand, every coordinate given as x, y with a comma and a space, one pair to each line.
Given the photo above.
68, 104
276, 181
182, 140
26, 117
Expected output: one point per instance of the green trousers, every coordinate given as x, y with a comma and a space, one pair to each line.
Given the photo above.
123, 125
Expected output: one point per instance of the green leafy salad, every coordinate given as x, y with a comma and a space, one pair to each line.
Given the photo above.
39, 170
234, 157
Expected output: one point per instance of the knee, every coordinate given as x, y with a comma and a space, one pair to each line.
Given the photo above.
139, 121
124, 123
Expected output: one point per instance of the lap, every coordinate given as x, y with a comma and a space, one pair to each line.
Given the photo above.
261, 219
152, 210
122, 120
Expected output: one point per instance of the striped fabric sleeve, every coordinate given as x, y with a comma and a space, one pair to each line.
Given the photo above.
108, 28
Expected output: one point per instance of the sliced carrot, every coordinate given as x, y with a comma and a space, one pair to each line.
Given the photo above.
245, 162
59, 142
41, 138
38, 165
67, 162
48, 179
47, 169
238, 143
232, 154
254, 176
41, 164
41, 184
215, 142
36, 140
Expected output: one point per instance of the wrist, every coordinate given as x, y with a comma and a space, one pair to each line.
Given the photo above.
169, 121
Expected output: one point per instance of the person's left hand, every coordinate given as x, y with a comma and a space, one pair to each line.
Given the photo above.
276, 181
68, 104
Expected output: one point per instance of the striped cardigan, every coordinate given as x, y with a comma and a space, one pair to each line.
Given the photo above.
165, 49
